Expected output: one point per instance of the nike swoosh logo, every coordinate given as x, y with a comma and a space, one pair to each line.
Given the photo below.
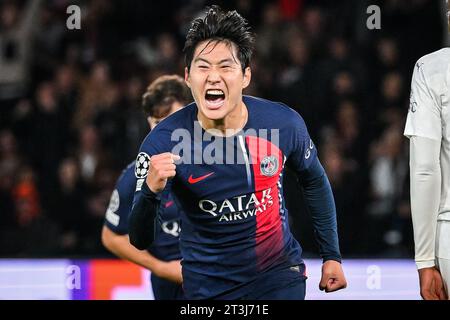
193, 180
168, 204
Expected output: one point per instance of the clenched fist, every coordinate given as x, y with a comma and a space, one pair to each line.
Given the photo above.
162, 167
333, 278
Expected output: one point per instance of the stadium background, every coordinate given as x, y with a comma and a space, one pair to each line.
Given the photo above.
70, 116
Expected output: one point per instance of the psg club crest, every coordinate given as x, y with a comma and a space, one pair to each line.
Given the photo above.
269, 166
142, 165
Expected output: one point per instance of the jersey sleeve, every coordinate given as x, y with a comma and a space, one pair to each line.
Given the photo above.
303, 152
425, 174
116, 218
424, 116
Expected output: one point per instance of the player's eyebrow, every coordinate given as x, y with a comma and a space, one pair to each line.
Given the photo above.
201, 60
227, 60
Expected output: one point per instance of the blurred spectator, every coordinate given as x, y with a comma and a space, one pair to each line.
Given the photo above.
388, 175
348, 132
97, 202
66, 84
94, 93
49, 41
135, 125
9, 168
292, 85
110, 124
388, 55
48, 137
89, 153
167, 53
26, 198
347, 183
68, 209
392, 92
269, 40
314, 26
16, 34
30, 234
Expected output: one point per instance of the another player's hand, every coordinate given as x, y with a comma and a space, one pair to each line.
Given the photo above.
169, 270
162, 167
431, 284
332, 277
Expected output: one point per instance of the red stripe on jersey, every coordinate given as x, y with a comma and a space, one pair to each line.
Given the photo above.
267, 163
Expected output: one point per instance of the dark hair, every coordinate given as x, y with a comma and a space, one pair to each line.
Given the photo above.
164, 91
220, 26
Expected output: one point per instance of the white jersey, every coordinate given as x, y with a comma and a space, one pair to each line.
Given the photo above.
429, 113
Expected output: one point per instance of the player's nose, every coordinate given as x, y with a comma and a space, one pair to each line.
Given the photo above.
213, 76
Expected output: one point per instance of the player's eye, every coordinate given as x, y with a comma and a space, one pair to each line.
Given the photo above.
203, 67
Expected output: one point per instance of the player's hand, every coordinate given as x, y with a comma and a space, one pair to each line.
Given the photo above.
332, 277
162, 167
431, 284
169, 270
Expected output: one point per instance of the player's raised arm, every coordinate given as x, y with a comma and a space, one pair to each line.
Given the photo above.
161, 167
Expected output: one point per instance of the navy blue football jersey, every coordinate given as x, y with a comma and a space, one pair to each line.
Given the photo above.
166, 244
234, 220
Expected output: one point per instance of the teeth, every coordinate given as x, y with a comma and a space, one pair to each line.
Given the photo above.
214, 92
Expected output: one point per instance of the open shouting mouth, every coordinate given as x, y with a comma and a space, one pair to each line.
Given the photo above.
215, 98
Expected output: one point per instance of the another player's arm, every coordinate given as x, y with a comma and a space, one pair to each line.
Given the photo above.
146, 201
425, 174
115, 232
320, 201
121, 247
425, 171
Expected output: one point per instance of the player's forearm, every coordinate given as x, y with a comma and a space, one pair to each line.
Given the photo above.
121, 247
320, 201
142, 218
425, 197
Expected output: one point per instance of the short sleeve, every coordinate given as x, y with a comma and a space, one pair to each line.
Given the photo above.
424, 116
120, 203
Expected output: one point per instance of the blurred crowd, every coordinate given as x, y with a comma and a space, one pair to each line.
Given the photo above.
70, 116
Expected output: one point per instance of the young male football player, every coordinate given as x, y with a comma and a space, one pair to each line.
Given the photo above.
223, 158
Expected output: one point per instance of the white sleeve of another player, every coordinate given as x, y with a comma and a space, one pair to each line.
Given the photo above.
425, 197
424, 116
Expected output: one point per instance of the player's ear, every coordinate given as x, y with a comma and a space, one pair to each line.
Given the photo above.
247, 77
186, 77
150, 122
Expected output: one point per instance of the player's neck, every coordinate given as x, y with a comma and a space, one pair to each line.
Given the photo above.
230, 125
